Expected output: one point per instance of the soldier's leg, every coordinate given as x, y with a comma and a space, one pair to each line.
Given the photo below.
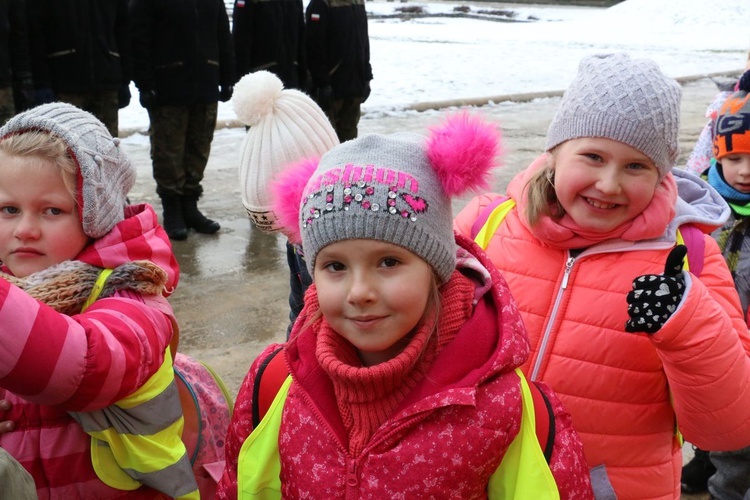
167, 132
347, 118
200, 133
104, 105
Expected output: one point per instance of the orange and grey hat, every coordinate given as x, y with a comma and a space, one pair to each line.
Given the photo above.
732, 128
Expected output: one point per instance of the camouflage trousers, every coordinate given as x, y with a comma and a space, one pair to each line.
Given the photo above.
7, 109
344, 116
103, 104
180, 144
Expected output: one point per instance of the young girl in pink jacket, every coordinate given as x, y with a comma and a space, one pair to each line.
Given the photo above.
403, 361
640, 350
88, 385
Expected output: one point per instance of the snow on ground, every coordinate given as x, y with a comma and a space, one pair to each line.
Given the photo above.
438, 58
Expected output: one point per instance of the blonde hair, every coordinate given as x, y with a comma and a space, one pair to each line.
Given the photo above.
542, 198
45, 146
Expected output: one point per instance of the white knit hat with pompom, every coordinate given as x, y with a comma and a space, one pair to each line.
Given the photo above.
286, 126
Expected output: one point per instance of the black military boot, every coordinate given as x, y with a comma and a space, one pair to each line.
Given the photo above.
696, 472
195, 219
174, 220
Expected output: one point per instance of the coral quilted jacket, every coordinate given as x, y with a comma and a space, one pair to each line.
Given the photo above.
618, 385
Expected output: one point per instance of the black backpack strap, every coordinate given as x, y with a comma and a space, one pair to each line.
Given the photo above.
544, 417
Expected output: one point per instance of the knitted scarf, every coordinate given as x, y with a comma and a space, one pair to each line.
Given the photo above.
66, 286
739, 202
368, 396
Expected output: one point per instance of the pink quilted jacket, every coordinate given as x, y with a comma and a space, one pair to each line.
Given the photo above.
51, 363
618, 385
445, 439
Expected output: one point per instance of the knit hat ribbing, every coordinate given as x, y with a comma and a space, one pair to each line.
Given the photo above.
627, 100
105, 174
732, 127
393, 188
285, 126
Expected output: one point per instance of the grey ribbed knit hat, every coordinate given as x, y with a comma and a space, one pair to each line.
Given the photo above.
624, 99
382, 188
105, 174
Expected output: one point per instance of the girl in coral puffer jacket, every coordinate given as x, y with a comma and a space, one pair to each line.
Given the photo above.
638, 348
403, 362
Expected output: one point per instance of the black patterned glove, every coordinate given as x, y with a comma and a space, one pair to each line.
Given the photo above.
655, 297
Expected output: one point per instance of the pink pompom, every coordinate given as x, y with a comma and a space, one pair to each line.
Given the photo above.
463, 151
287, 191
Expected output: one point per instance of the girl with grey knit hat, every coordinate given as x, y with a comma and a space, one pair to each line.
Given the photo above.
400, 376
643, 344
85, 324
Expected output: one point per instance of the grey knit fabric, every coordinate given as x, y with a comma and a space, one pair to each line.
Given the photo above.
624, 99
105, 172
381, 188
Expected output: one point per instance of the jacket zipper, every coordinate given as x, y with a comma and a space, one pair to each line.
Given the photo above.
352, 479
352, 469
547, 331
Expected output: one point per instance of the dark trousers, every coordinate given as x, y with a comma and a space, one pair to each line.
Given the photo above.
344, 116
299, 281
180, 144
7, 109
103, 104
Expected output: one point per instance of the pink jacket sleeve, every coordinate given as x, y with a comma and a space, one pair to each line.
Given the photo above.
82, 362
704, 348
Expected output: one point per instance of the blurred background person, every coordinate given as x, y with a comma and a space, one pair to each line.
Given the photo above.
81, 55
337, 46
15, 65
183, 65
269, 35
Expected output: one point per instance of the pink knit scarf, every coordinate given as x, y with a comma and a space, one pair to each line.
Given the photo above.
565, 233
368, 396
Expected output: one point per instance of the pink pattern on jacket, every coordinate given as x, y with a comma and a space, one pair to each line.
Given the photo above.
445, 439
51, 363
625, 391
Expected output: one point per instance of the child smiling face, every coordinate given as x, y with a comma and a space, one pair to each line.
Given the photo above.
39, 221
602, 183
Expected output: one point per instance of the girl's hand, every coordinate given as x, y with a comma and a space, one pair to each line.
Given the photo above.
655, 297
5, 425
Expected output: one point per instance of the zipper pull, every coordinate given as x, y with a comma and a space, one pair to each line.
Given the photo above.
351, 475
568, 267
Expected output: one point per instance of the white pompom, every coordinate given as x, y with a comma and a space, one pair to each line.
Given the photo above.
255, 95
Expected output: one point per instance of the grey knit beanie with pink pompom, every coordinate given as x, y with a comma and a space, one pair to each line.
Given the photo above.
285, 126
105, 174
627, 100
394, 188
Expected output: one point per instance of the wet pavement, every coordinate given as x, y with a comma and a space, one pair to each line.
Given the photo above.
232, 296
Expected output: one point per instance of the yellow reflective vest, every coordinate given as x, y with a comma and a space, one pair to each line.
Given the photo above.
138, 440
522, 474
